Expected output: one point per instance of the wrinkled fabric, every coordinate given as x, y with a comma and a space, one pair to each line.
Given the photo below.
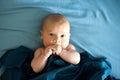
17, 67
94, 25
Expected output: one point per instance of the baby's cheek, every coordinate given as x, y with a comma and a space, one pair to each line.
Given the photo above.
64, 45
47, 43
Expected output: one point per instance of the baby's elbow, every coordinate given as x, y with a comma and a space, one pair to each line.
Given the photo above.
34, 68
77, 59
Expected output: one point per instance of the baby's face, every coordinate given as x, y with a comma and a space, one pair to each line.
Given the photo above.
55, 34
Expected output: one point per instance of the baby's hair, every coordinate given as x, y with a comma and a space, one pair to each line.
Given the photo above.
56, 18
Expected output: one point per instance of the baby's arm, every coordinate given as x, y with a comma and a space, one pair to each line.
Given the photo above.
40, 59
70, 55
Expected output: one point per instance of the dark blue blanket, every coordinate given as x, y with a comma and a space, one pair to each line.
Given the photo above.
17, 67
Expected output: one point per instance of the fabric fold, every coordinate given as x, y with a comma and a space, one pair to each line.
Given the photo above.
17, 67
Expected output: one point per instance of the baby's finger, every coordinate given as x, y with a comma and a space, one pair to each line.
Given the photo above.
53, 51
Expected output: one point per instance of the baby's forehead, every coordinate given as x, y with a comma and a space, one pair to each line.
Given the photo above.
55, 18
51, 24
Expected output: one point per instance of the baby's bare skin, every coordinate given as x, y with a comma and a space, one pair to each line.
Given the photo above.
55, 34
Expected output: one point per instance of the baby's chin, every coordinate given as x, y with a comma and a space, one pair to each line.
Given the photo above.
64, 47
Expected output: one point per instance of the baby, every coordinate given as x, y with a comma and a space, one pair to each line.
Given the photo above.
55, 35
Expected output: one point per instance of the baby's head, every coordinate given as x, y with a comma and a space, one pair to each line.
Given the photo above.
55, 30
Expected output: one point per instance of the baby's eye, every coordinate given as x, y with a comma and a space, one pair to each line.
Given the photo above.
51, 34
62, 35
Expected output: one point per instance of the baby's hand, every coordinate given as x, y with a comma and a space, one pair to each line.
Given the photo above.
56, 50
48, 51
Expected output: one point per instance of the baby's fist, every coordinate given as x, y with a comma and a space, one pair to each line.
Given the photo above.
57, 50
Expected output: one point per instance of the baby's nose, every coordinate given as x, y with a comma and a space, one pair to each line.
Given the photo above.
57, 41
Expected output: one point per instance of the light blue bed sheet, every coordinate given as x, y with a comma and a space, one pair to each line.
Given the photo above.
94, 25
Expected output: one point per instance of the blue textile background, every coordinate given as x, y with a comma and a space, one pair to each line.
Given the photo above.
94, 25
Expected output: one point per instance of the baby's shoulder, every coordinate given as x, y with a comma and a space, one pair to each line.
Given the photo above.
70, 46
38, 51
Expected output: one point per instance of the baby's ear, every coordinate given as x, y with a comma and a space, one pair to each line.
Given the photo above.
41, 34
69, 34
